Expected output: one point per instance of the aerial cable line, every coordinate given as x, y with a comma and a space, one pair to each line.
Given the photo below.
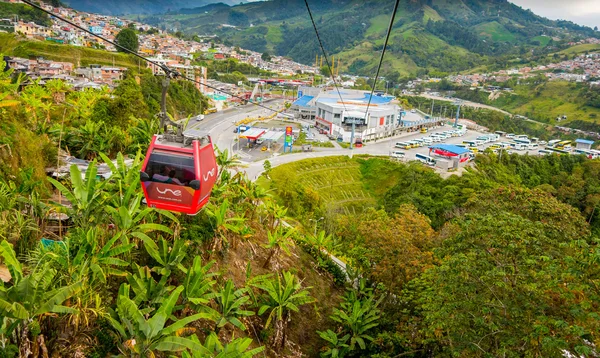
387, 37
324, 53
168, 71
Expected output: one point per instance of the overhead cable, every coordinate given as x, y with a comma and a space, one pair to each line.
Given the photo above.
324, 54
387, 37
168, 71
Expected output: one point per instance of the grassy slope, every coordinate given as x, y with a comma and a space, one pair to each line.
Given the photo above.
337, 180
544, 40
580, 49
555, 99
12, 46
495, 31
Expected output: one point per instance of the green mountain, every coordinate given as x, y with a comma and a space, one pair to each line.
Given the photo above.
118, 7
428, 35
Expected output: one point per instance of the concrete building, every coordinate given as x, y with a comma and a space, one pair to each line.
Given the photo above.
338, 116
584, 144
455, 156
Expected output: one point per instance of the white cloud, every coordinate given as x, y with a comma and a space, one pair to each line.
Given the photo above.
583, 12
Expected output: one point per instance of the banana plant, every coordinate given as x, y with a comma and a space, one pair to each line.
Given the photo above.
278, 241
224, 224
145, 337
198, 286
146, 289
85, 195
30, 297
230, 304
167, 257
237, 348
337, 345
281, 296
131, 221
104, 260
124, 181
358, 316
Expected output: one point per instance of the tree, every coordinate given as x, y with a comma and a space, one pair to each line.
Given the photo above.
265, 57
85, 195
278, 241
230, 304
281, 297
128, 39
357, 315
502, 287
30, 298
142, 336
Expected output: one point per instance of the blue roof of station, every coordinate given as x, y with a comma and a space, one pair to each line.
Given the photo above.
303, 101
584, 141
347, 97
450, 148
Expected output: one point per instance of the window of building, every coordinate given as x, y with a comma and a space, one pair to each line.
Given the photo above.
337, 115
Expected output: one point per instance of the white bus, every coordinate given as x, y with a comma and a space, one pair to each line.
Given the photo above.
425, 159
521, 136
470, 143
402, 145
553, 142
544, 152
518, 146
397, 155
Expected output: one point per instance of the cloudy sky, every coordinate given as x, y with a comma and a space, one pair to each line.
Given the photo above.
583, 12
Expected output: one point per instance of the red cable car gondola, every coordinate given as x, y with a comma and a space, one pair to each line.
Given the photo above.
358, 143
177, 177
180, 169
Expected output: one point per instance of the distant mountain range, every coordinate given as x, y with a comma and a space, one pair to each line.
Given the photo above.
428, 35
120, 7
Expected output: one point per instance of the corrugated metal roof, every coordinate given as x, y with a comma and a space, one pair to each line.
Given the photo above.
303, 101
584, 141
450, 148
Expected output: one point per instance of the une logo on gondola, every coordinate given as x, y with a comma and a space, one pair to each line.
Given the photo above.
174, 192
210, 173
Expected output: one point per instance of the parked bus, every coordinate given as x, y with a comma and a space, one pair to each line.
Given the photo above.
521, 136
210, 110
555, 150
403, 145
518, 146
553, 142
423, 130
413, 144
425, 159
397, 155
564, 145
470, 143
544, 151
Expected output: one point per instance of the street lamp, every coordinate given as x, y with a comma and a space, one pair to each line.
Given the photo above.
316, 222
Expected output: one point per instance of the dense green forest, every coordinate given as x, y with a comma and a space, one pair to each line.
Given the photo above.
498, 262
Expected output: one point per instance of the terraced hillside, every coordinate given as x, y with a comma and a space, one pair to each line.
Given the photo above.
336, 182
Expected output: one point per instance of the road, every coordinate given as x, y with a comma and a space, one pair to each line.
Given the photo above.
382, 147
476, 105
220, 125
464, 103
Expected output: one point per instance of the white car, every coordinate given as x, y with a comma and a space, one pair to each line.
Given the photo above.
413, 111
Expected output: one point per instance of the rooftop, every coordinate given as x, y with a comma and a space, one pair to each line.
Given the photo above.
454, 149
584, 141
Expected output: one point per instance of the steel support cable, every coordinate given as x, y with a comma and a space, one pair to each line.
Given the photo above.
387, 37
324, 53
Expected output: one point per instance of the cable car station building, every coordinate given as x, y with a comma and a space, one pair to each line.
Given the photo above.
454, 156
338, 116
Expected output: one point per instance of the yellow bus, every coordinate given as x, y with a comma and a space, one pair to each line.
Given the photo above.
210, 110
564, 145
423, 130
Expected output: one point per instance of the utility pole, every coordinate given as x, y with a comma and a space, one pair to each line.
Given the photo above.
457, 113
